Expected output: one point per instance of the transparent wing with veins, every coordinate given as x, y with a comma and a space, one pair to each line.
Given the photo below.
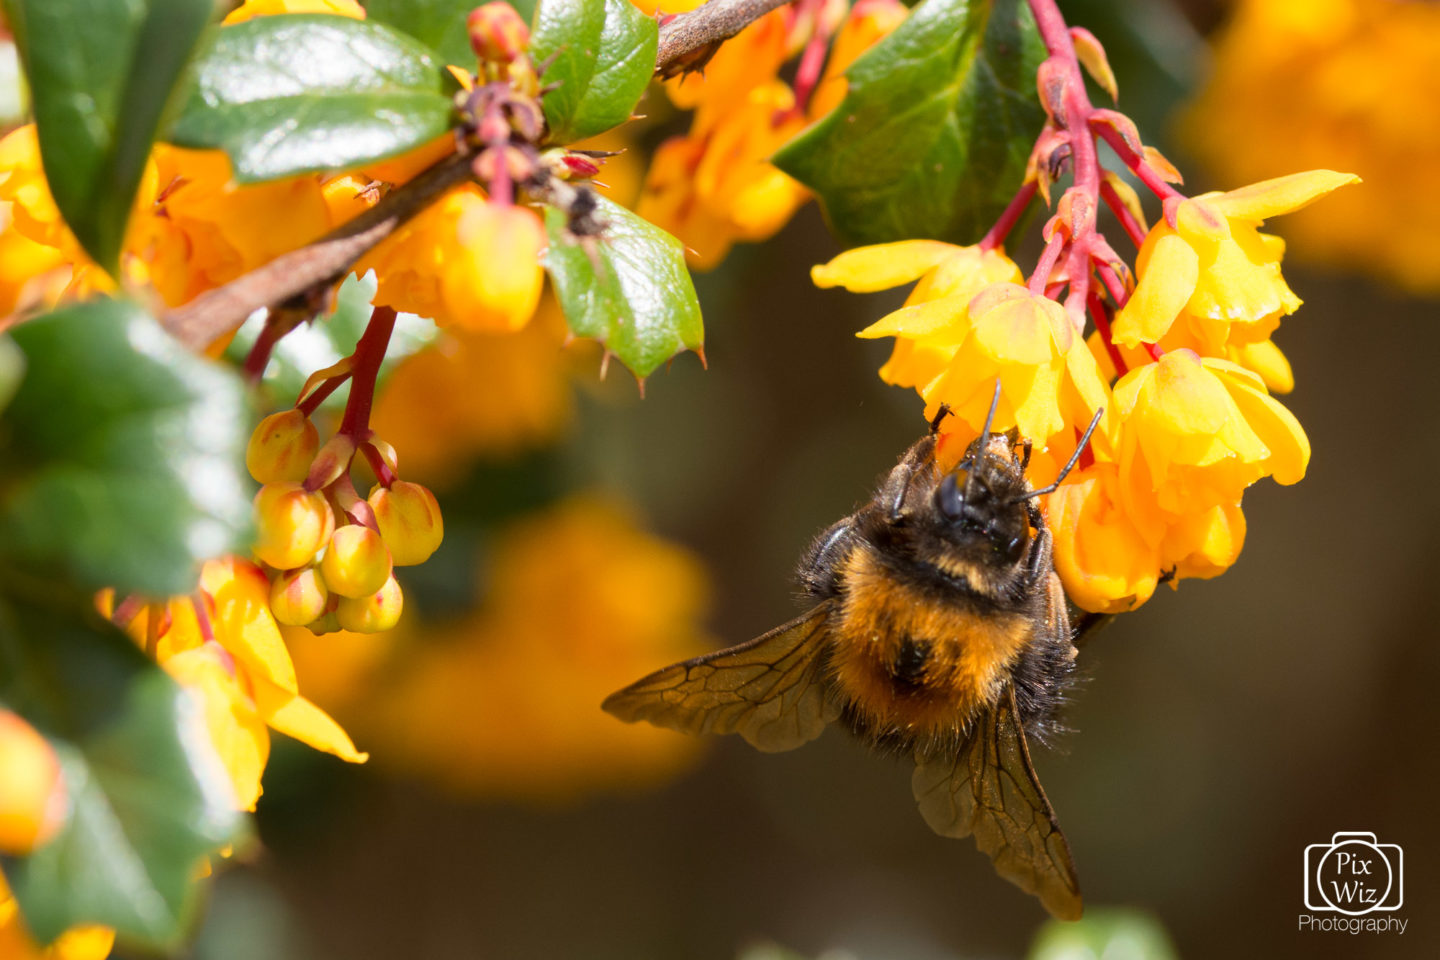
771, 690
989, 790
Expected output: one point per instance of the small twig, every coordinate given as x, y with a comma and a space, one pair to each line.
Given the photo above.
325, 261
715, 22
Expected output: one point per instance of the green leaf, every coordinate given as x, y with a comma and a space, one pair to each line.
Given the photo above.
149, 798
932, 138
301, 93
328, 340
439, 24
124, 454
101, 74
12, 369
604, 55
627, 288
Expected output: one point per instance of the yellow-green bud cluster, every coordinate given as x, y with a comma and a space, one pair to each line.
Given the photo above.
331, 555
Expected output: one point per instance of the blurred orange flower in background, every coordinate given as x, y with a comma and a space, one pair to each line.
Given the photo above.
505, 702
1348, 84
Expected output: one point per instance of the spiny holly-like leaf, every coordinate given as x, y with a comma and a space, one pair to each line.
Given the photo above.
932, 137
439, 24
123, 454
604, 54
148, 797
627, 288
101, 73
301, 93
327, 340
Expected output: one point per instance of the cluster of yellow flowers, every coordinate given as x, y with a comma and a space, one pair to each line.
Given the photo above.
715, 185
466, 261
1347, 83
1184, 379
329, 576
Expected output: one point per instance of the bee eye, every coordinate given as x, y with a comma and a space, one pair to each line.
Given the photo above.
948, 498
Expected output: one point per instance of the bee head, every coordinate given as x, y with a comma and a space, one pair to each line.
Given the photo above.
978, 502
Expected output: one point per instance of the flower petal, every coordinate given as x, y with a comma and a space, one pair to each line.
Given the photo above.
294, 716
1269, 198
1164, 288
882, 266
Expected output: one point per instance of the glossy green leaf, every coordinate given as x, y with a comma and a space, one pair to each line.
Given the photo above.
101, 74
628, 288
149, 797
604, 54
439, 24
328, 340
123, 454
933, 135
300, 93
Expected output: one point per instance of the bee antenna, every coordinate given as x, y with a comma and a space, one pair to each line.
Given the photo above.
1069, 464
984, 440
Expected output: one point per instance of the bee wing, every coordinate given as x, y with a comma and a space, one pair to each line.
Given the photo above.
770, 690
990, 790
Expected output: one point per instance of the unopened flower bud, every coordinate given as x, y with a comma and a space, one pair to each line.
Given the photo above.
374, 613
497, 32
356, 563
292, 525
298, 596
409, 520
282, 447
33, 798
503, 244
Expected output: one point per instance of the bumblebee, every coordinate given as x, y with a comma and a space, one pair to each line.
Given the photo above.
939, 632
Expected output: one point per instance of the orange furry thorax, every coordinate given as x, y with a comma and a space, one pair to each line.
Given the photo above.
965, 661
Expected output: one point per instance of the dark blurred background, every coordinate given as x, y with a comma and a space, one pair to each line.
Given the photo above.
1219, 730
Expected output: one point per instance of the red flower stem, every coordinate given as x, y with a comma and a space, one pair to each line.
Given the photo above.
1154, 350
259, 356
1136, 162
1133, 228
369, 352
382, 470
1011, 216
310, 404
812, 61
1040, 279
1101, 312
1117, 290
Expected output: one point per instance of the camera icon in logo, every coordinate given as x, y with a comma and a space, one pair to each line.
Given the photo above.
1354, 875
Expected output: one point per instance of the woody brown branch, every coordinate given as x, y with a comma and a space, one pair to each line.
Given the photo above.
325, 261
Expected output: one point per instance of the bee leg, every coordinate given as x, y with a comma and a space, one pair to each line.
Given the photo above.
939, 417
1026, 446
819, 569
1039, 563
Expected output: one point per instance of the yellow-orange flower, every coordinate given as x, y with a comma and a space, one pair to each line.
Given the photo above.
1215, 269
1198, 431
232, 655
464, 262
716, 187
503, 703
267, 8
1106, 564
923, 349
78, 943
1348, 84
34, 800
